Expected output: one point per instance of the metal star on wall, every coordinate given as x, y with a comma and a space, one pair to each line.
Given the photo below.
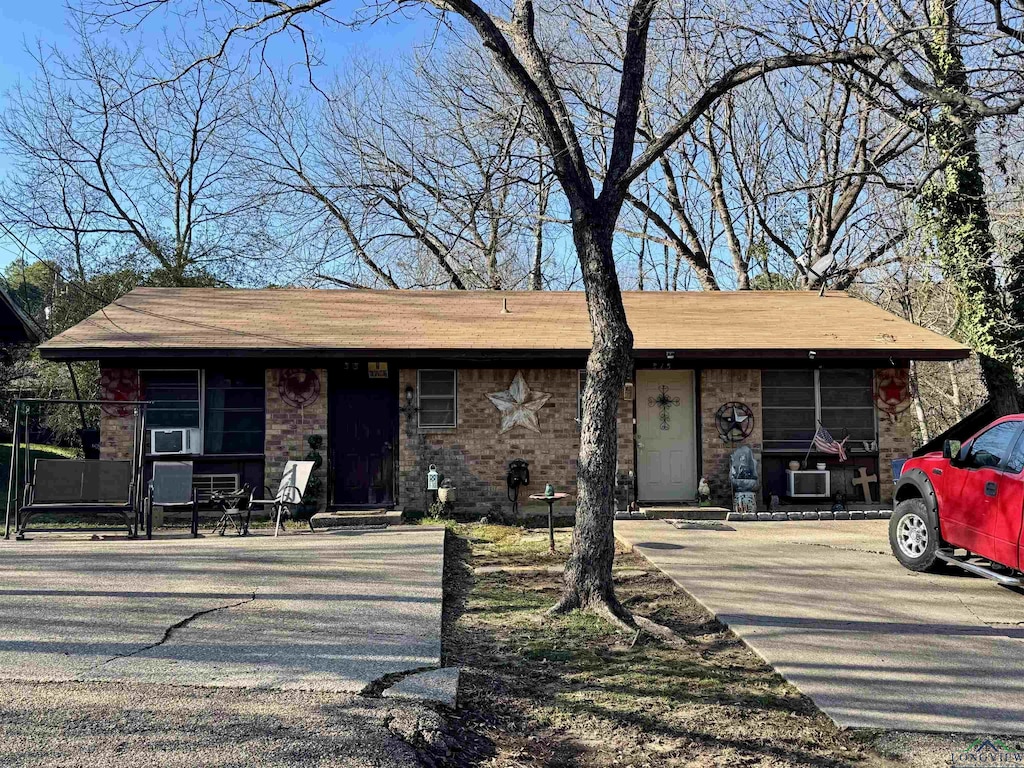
519, 405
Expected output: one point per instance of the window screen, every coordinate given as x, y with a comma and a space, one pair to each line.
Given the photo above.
437, 398
175, 396
848, 404
794, 401
235, 411
789, 409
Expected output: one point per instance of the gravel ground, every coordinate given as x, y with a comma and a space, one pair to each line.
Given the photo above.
930, 750
111, 725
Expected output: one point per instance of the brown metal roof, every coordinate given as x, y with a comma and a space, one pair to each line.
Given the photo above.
208, 321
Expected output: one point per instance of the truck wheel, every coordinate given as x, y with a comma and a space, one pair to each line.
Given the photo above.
913, 541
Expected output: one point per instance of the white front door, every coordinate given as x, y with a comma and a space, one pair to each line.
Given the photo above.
666, 436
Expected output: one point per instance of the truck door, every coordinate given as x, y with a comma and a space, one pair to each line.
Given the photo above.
985, 517
1011, 508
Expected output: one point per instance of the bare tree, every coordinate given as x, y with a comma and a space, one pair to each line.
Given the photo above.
778, 183
108, 173
425, 177
596, 156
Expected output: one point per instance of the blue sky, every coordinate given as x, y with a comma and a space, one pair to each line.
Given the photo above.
23, 23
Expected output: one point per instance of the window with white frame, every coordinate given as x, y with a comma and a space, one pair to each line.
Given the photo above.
795, 401
175, 398
438, 404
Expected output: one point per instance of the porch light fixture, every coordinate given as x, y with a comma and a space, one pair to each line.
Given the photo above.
409, 409
670, 354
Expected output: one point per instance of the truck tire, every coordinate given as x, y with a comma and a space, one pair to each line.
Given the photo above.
913, 540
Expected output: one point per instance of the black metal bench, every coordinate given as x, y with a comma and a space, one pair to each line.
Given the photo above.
88, 487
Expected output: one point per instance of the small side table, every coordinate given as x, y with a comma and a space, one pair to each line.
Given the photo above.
551, 513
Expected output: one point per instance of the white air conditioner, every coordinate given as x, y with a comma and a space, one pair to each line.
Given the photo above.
174, 441
808, 483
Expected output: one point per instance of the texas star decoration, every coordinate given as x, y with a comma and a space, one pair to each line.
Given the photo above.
519, 405
732, 421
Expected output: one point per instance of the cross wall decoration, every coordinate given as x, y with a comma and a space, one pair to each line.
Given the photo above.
664, 401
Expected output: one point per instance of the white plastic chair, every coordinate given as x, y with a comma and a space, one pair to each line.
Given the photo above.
290, 491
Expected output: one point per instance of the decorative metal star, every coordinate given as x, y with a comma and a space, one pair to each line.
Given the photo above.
519, 405
734, 422
893, 391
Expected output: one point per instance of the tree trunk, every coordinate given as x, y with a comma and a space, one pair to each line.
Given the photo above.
922, 420
955, 205
588, 572
1001, 384
954, 384
536, 275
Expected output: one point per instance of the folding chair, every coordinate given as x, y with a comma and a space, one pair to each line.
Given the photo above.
171, 486
289, 492
236, 509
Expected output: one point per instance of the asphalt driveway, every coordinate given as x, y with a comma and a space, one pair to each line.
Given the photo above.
872, 644
327, 612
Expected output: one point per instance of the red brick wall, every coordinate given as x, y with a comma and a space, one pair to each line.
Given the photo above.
475, 456
287, 428
117, 427
895, 441
717, 387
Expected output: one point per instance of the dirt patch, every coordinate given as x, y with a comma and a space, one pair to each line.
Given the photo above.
571, 691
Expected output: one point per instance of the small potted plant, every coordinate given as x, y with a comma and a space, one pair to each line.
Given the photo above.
315, 486
446, 493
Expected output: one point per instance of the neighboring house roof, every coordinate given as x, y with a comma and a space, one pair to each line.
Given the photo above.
299, 322
16, 327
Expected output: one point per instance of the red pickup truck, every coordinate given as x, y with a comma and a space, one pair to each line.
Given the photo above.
965, 506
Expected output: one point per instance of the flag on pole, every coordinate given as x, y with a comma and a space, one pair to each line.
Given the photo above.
825, 443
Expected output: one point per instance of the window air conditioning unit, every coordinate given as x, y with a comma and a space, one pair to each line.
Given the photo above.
808, 483
207, 485
174, 441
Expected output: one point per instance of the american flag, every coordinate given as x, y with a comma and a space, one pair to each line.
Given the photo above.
825, 443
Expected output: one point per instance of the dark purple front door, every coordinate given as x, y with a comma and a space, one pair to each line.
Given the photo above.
363, 435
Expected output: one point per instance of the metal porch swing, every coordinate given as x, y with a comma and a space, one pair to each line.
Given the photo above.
76, 487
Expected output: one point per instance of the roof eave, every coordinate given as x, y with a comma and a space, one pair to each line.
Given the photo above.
101, 353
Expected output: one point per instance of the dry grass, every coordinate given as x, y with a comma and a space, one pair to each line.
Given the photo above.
571, 691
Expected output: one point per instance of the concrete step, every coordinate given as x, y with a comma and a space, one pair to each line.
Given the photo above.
683, 512
342, 518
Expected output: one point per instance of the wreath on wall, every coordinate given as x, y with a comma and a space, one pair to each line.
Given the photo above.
299, 387
735, 422
892, 391
119, 385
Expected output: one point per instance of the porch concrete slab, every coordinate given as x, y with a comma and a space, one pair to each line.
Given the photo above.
323, 612
873, 645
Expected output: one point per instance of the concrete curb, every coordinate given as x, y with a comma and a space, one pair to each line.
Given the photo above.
824, 515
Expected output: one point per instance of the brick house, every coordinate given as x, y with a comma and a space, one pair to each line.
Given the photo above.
395, 381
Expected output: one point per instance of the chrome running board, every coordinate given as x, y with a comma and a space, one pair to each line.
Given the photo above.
980, 570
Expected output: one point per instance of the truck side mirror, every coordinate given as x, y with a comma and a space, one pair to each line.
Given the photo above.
951, 449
